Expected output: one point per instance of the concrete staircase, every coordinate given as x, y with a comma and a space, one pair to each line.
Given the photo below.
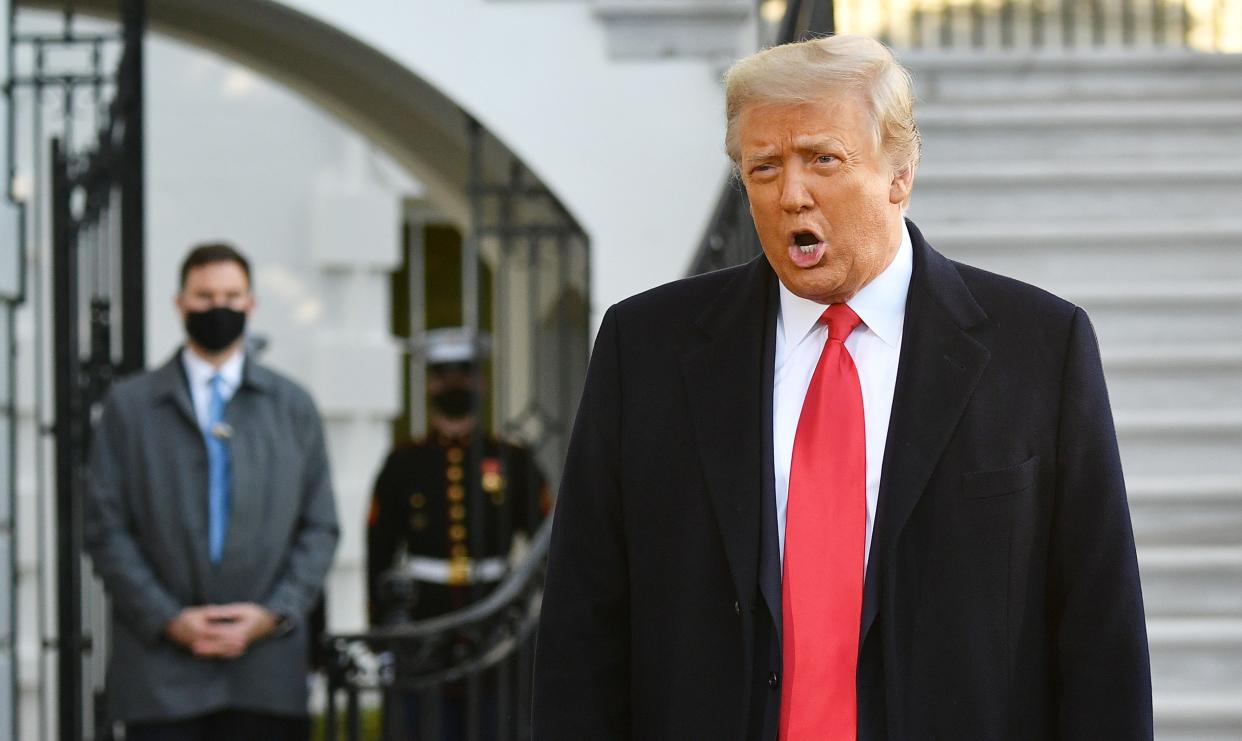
1115, 180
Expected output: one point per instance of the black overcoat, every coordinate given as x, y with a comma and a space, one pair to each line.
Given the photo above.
1002, 596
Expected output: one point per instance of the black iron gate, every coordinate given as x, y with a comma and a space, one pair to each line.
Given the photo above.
12, 296
78, 86
538, 311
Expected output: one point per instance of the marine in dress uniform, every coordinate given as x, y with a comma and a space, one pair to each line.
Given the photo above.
420, 525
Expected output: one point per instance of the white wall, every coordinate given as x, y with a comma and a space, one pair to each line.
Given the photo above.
632, 147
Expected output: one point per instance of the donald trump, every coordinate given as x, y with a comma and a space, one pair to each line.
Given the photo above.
850, 489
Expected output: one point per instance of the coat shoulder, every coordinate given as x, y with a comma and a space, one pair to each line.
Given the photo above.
286, 391
1003, 297
680, 301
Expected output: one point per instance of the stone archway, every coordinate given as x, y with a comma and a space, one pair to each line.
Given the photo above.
417, 124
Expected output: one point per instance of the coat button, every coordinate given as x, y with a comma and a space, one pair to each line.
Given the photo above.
737, 608
773, 680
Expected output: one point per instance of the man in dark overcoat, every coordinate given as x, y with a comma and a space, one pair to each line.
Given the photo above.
210, 519
851, 489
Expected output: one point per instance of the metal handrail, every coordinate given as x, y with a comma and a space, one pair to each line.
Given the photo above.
419, 657
507, 592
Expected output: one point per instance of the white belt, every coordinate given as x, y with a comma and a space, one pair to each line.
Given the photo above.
465, 571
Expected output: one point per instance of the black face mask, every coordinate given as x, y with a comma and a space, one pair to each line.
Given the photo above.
454, 403
215, 329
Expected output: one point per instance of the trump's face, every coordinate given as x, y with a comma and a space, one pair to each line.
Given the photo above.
825, 200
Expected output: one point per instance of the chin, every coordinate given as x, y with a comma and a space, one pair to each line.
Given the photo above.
812, 284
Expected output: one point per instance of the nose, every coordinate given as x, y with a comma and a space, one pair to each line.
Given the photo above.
794, 194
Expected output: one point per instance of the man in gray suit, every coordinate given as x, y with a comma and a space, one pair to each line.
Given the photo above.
211, 520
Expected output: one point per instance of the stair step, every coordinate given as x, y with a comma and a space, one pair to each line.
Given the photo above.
1077, 190
1076, 129
1060, 75
1173, 511
1193, 321
1113, 179
1178, 442
1198, 716
1168, 376
1172, 314
1192, 581
1048, 252
1196, 654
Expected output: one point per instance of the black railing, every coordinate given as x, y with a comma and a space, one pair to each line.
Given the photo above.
82, 88
484, 652
12, 297
98, 330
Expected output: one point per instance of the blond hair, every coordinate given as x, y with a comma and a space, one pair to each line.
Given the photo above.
810, 70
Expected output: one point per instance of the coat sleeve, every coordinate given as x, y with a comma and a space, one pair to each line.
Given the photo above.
139, 599
310, 555
535, 500
385, 524
1102, 666
582, 659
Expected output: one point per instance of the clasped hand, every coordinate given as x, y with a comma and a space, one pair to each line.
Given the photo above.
221, 631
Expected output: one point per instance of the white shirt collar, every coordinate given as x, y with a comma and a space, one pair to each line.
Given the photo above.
881, 304
199, 371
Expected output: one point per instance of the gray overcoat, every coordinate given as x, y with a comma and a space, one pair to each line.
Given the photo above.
146, 532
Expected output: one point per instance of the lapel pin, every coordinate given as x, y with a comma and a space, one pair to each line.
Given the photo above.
222, 430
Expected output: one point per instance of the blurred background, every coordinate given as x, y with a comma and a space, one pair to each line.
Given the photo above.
514, 167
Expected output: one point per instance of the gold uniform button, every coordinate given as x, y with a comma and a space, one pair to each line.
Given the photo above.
417, 501
459, 551
418, 522
457, 512
454, 473
455, 455
493, 481
457, 532
456, 493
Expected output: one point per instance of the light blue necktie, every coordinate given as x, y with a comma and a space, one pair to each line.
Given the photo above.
219, 471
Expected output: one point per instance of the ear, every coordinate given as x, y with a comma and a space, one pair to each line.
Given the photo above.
903, 183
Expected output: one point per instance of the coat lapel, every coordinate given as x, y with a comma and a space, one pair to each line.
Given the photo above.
723, 377
249, 456
936, 375
769, 539
171, 386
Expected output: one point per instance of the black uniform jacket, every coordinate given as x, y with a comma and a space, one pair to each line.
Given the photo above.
1002, 595
422, 504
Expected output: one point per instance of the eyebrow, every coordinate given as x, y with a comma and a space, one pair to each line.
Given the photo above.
816, 143
760, 156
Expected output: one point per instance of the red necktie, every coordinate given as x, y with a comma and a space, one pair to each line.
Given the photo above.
825, 527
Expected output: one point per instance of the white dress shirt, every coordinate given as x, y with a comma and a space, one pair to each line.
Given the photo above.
875, 346
199, 372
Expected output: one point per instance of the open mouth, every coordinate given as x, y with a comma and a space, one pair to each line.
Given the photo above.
806, 241
806, 248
